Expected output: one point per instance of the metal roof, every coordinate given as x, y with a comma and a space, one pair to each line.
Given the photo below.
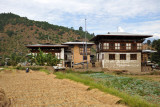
148, 51
77, 43
46, 45
124, 34
121, 34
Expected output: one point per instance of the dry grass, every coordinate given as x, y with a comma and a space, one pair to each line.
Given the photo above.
36, 89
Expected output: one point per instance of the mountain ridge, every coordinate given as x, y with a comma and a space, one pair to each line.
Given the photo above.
16, 32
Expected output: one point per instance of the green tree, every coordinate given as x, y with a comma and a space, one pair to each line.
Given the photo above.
14, 59
156, 56
80, 28
148, 42
52, 60
40, 58
43, 58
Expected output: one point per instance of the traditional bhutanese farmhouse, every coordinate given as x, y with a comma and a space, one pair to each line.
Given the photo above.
120, 50
71, 53
76, 53
57, 50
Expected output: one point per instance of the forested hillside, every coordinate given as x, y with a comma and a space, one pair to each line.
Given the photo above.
16, 32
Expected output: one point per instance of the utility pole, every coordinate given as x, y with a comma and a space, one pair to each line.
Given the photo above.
83, 51
86, 42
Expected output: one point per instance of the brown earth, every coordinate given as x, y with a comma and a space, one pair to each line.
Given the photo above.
147, 77
37, 89
4, 101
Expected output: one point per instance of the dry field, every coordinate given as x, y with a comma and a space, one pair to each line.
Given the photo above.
37, 89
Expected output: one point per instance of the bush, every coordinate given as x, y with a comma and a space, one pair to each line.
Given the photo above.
10, 33
42, 58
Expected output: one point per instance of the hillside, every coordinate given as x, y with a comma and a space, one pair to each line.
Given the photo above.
16, 32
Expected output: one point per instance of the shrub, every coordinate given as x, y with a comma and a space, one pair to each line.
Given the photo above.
10, 33
42, 58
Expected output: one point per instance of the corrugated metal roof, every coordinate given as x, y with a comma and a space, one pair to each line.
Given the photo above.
148, 51
77, 43
124, 34
46, 45
121, 34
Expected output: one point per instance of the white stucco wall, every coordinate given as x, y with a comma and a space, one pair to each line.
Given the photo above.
62, 56
62, 53
117, 64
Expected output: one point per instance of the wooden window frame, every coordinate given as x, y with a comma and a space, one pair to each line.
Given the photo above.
111, 56
105, 46
117, 46
85, 57
81, 51
123, 46
112, 46
139, 46
133, 56
58, 55
134, 46
88, 51
128, 46
122, 56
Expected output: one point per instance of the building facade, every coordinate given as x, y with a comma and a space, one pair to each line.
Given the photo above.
77, 52
71, 53
120, 50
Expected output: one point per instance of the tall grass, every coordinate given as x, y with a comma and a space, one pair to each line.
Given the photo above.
133, 101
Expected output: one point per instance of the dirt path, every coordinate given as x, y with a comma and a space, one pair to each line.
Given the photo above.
37, 89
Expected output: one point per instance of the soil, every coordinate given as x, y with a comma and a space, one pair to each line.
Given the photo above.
148, 77
37, 89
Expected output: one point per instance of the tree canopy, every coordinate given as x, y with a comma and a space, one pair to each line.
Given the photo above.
156, 56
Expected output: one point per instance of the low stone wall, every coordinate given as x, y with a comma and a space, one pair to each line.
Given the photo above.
98, 64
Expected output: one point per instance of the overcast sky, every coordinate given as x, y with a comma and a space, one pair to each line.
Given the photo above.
134, 16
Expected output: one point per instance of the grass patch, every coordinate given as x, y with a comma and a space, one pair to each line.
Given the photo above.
155, 73
34, 68
130, 100
30, 67
46, 71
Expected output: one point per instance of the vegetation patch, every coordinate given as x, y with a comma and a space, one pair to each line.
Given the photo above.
98, 80
148, 90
